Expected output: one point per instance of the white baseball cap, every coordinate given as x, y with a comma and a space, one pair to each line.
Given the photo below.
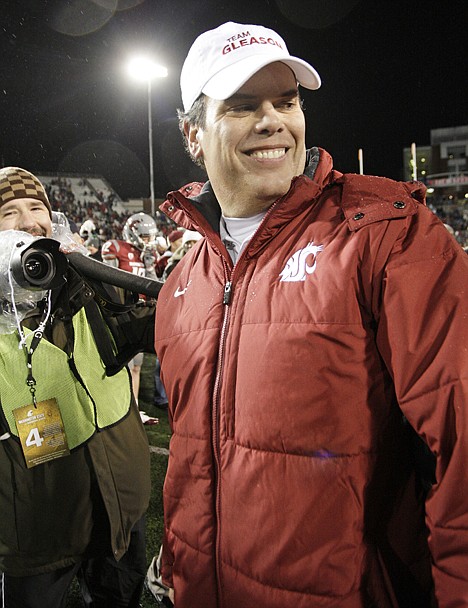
190, 235
220, 61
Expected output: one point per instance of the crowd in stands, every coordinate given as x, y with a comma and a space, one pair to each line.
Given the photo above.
453, 215
102, 207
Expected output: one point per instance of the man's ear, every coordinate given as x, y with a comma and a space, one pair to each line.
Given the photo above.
192, 134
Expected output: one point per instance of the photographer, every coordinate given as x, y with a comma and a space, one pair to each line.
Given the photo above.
74, 458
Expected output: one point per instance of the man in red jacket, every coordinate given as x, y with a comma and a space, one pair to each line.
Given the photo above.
313, 346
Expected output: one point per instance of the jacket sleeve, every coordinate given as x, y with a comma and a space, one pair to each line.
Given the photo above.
128, 326
133, 331
422, 336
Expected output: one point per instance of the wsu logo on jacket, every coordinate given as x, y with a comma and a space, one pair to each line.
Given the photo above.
301, 263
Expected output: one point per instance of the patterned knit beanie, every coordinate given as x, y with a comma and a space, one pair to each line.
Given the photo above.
19, 183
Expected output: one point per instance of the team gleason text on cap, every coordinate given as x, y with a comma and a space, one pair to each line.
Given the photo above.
220, 61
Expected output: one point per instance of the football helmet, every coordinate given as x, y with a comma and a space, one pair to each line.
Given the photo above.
87, 228
140, 230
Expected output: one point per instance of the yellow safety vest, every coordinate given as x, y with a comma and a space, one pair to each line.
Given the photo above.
100, 403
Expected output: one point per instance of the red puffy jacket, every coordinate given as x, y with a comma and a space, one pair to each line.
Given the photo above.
296, 382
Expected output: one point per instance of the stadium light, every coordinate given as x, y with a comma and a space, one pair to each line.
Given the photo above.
146, 70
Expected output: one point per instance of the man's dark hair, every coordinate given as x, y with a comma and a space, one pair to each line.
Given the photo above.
195, 117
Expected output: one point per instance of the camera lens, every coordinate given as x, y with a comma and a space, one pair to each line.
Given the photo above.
37, 267
40, 265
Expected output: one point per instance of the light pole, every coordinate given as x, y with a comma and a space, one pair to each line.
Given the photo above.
145, 70
414, 162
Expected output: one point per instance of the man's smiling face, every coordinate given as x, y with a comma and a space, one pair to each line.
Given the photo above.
26, 214
253, 143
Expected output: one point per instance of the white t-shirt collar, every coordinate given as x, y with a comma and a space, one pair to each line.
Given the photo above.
236, 232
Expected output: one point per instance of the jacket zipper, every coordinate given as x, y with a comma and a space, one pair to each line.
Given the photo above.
216, 421
216, 424
227, 293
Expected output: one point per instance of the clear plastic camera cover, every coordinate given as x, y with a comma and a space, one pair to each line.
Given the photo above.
10, 292
12, 295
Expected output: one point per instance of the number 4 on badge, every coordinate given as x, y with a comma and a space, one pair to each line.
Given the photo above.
34, 438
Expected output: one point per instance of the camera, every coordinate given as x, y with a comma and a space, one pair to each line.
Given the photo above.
39, 265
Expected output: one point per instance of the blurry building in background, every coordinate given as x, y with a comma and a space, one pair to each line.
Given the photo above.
443, 168
443, 165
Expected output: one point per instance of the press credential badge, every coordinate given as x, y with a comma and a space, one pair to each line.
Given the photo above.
41, 432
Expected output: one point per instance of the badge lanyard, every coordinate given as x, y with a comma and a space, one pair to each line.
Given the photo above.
39, 332
37, 337
30, 380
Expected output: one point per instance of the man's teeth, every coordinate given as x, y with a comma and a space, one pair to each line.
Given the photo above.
269, 153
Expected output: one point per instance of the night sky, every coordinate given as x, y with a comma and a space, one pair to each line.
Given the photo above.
391, 71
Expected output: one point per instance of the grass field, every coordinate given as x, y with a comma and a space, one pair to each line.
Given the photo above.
158, 436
